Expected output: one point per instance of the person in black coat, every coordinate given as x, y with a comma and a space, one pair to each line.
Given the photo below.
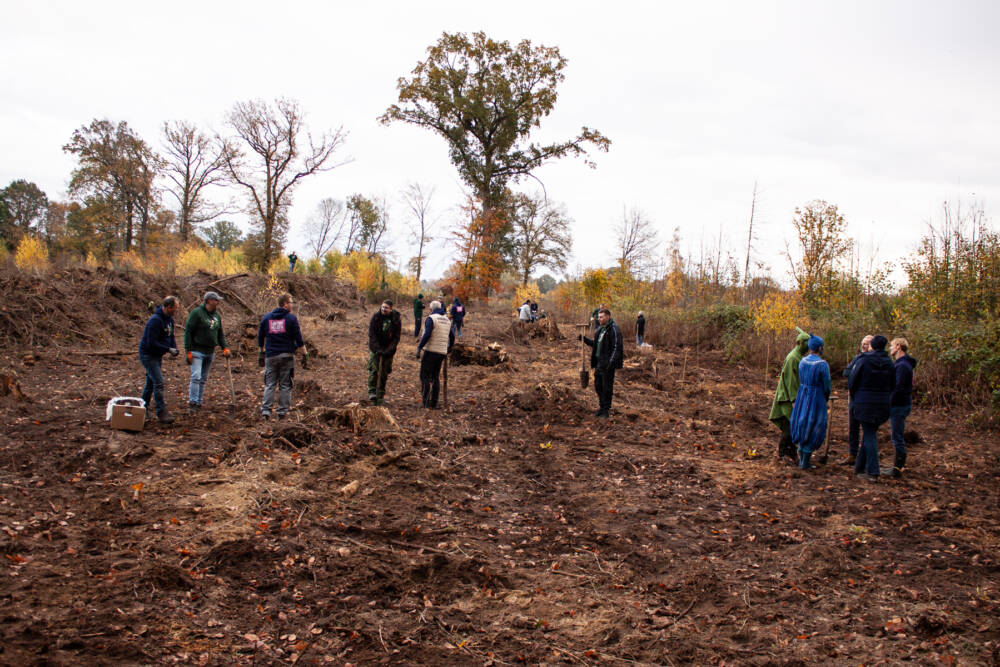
606, 356
853, 425
383, 338
900, 403
640, 329
871, 383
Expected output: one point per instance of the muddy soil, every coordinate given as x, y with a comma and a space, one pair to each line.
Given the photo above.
510, 527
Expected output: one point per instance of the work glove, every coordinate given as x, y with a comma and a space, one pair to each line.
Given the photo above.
305, 361
579, 336
174, 352
226, 353
260, 359
190, 358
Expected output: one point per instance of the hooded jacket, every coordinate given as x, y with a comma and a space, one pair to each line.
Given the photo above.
788, 380
158, 336
606, 347
872, 383
279, 333
203, 331
457, 311
383, 332
902, 395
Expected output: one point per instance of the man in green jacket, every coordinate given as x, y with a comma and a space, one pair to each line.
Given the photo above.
418, 314
202, 334
784, 397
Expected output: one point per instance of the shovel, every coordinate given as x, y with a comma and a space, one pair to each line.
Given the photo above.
584, 371
445, 381
826, 454
232, 388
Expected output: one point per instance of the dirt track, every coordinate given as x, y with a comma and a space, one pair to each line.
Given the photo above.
513, 527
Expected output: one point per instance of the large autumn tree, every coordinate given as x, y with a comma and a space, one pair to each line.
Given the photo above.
485, 97
540, 235
115, 175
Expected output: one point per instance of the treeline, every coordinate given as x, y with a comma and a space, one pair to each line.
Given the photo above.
949, 307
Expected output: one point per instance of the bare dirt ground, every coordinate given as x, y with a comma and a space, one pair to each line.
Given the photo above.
512, 527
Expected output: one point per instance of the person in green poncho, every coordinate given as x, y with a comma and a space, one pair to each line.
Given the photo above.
784, 397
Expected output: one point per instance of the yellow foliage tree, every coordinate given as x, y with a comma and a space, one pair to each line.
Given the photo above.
31, 254
777, 312
526, 291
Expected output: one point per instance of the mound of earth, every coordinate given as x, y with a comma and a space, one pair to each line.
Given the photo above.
493, 354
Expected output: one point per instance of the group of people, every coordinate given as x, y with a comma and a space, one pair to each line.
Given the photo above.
527, 312
457, 314
279, 338
880, 389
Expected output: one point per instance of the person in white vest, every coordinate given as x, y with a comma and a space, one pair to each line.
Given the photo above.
438, 338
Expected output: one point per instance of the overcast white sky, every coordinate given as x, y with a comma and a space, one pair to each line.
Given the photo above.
885, 109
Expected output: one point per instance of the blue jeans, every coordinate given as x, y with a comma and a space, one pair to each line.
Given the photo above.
154, 381
200, 365
868, 454
638, 340
897, 420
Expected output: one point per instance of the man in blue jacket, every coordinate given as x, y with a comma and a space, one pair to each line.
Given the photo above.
900, 403
279, 336
158, 340
872, 382
458, 314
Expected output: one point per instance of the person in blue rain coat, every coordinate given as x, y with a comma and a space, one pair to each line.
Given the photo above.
809, 417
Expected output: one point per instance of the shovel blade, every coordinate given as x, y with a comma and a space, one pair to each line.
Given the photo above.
584, 379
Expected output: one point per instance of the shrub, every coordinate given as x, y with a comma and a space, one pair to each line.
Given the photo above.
193, 258
31, 254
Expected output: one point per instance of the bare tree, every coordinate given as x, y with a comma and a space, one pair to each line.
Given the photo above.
418, 200
325, 227
746, 266
637, 240
539, 234
276, 162
194, 162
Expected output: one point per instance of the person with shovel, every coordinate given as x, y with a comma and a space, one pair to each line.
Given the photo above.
202, 334
438, 339
279, 336
808, 421
383, 338
158, 340
606, 356
784, 397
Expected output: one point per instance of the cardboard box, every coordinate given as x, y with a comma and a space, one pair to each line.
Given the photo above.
128, 417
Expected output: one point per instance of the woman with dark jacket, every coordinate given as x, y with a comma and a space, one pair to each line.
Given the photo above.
871, 384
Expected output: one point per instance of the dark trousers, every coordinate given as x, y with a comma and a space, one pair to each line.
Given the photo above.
416, 325
154, 381
868, 454
785, 445
430, 381
604, 385
853, 431
379, 367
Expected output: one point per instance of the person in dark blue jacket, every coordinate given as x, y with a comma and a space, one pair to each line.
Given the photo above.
853, 425
458, 315
871, 383
278, 337
158, 340
900, 403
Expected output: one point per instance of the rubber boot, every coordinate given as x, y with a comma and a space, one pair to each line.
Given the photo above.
165, 417
805, 461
